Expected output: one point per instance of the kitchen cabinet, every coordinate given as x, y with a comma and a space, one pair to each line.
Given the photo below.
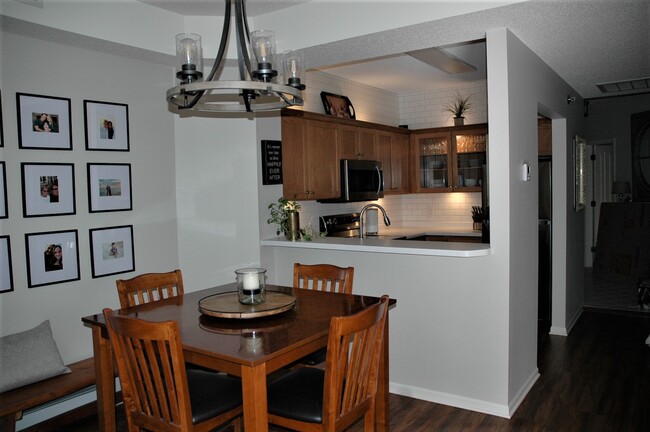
310, 160
357, 143
449, 159
544, 138
393, 152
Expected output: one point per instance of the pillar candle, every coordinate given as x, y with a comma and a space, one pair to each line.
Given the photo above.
251, 281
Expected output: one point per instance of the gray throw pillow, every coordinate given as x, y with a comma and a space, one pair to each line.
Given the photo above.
28, 357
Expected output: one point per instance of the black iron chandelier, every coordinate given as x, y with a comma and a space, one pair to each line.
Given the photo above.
255, 90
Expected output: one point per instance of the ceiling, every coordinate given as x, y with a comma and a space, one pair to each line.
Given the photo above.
587, 42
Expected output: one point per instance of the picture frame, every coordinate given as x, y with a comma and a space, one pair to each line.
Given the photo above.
112, 250
106, 126
2, 129
580, 161
6, 271
52, 257
4, 211
337, 105
109, 187
41, 182
44, 122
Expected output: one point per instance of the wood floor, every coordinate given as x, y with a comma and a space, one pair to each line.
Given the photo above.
596, 379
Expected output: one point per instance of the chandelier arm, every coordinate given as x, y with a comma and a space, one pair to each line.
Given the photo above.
224, 41
242, 38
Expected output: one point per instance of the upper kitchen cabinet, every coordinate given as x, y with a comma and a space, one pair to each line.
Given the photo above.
356, 142
449, 159
310, 161
393, 152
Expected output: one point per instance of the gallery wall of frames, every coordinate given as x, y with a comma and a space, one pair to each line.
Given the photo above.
49, 190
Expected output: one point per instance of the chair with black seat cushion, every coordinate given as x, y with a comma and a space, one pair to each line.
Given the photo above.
322, 277
159, 393
149, 287
311, 399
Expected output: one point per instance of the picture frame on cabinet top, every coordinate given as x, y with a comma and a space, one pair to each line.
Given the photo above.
337, 105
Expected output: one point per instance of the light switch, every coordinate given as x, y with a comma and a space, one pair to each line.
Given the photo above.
525, 172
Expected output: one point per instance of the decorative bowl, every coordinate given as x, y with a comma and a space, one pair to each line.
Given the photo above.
469, 182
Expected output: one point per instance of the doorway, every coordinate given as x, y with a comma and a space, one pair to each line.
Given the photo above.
545, 228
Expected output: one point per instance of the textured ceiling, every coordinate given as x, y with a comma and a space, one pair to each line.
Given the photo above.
587, 42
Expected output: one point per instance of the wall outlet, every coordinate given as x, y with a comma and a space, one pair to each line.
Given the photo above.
36, 3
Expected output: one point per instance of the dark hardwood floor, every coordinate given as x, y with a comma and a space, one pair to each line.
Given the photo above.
596, 379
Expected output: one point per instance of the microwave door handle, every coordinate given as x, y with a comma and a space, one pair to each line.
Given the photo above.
380, 180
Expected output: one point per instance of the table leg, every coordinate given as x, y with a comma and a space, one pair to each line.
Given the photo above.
382, 416
254, 394
104, 379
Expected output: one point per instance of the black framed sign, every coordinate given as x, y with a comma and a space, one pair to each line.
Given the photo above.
271, 162
44, 122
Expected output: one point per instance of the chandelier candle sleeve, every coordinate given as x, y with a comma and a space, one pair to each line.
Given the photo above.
251, 285
190, 55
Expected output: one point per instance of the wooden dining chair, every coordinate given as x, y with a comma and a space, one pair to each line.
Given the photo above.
159, 393
323, 277
149, 287
311, 399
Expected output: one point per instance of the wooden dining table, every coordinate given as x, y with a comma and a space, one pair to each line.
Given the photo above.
252, 347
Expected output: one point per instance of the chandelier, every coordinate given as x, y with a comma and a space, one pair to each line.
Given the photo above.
255, 90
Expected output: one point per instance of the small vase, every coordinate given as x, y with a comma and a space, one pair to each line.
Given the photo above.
459, 121
293, 226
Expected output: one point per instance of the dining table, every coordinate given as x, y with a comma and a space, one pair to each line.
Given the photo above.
256, 345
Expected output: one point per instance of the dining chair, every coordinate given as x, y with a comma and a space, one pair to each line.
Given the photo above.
149, 287
311, 399
321, 277
159, 393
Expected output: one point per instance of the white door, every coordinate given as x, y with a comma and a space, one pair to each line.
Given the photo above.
600, 175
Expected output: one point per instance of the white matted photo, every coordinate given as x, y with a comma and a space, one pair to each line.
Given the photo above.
52, 257
44, 122
111, 250
6, 272
107, 125
48, 189
109, 187
3, 191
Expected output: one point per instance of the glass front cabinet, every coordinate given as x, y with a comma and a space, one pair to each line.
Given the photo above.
449, 159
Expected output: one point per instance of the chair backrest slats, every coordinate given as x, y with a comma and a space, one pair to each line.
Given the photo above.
323, 277
149, 287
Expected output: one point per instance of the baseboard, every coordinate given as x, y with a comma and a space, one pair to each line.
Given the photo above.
523, 391
564, 331
451, 400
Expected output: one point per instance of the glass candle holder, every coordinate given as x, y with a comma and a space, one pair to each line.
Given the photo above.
251, 285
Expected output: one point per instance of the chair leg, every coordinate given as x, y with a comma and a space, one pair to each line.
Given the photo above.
369, 421
236, 424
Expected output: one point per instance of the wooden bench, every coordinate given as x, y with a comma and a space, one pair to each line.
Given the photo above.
14, 402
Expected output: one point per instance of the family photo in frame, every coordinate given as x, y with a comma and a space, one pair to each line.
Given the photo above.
111, 250
3, 191
6, 272
44, 122
48, 189
52, 257
109, 187
107, 125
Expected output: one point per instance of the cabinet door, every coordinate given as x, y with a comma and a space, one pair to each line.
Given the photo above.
469, 150
432, 155
294, 159
393, 152
356, 142
322, 164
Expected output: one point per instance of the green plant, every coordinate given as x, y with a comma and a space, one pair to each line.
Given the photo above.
459, 105
280, 213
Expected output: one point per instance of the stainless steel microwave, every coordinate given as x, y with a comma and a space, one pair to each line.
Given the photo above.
361, 180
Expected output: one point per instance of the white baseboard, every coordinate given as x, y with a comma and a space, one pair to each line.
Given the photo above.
523, 391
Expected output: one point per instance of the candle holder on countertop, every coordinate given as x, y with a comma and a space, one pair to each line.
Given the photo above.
251, 285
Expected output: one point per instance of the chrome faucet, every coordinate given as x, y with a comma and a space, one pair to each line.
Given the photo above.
363, 212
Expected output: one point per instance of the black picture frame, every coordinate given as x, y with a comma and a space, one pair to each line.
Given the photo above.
106, 126
337, 105
2, 129
37, 111
43, 265
59, 176
6, 270
109, 187
4, 210
112, 250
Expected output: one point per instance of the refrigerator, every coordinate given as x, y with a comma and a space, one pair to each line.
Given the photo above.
545, 251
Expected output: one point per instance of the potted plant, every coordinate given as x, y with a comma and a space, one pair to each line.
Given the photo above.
458, 106
285, 214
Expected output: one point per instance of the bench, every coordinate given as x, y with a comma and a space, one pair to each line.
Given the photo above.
14, 402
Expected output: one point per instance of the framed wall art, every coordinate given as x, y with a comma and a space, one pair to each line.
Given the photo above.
107, 126
48, 189
6, 272
52, 257
44, 122
337, 105
2, 130
109, 187
111, 250
580, 160
3, 191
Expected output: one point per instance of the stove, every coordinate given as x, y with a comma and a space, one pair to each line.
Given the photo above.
340, 225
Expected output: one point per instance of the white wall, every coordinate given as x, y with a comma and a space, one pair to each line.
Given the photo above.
63, 71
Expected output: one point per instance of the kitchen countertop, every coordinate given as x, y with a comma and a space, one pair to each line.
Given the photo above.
385, 243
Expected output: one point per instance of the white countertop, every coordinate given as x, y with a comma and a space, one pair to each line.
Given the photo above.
384, 243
